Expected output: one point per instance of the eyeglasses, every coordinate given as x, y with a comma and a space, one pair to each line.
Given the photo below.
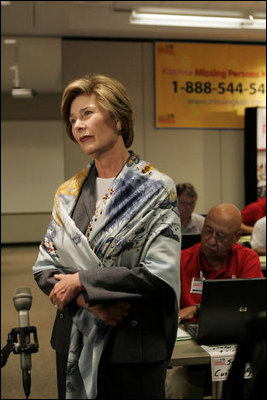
187, 203
219, 236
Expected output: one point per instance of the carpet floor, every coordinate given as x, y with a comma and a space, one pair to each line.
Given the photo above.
16, 271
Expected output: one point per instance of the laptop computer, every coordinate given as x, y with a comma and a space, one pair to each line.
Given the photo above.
190, 240
226, 306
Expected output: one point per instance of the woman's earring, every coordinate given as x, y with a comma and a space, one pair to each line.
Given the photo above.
119, 126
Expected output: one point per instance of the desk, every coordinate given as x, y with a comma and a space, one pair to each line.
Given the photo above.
263, 262
245, 238
188, 352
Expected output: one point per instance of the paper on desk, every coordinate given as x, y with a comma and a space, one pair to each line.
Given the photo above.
222, 357
218, 350
263, 261
245, 238
182, 334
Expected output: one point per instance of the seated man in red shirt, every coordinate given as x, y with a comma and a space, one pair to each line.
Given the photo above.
217, 256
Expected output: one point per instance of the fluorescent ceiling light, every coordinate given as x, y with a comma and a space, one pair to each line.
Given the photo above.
198, 21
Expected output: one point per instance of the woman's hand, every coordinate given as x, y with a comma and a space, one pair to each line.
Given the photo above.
111, 314
65, 290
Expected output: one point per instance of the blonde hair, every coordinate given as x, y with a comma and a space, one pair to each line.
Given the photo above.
110, 94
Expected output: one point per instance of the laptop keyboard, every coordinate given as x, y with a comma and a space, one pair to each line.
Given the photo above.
192, 329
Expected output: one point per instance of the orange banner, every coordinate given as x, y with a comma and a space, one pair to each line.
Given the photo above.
207, 85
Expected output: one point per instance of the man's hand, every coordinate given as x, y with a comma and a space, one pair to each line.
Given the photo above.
65, 290
187, 313
111, 314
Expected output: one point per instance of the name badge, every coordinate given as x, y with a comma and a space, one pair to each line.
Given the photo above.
196, 285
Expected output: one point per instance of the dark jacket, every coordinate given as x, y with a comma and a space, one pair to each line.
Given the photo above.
147, 334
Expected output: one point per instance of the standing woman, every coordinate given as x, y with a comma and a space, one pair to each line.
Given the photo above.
110, 258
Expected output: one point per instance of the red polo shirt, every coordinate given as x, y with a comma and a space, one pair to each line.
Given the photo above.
254, 211
242, 262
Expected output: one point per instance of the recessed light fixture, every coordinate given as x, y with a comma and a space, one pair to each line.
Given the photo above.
10, 41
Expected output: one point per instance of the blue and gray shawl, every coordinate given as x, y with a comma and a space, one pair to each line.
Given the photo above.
137, 223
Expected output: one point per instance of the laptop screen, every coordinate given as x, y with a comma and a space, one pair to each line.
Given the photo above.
226, 306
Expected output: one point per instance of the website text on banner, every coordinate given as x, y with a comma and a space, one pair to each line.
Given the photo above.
208, 85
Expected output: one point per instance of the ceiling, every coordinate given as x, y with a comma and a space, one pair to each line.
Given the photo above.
31, 21
111, 19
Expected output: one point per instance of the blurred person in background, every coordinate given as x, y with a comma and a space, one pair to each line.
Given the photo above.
258, 237
191, 223
251, 213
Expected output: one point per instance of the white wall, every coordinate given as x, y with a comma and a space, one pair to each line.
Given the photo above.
213, 161
32, 165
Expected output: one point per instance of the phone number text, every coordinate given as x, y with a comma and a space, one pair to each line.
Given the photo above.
221, 88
